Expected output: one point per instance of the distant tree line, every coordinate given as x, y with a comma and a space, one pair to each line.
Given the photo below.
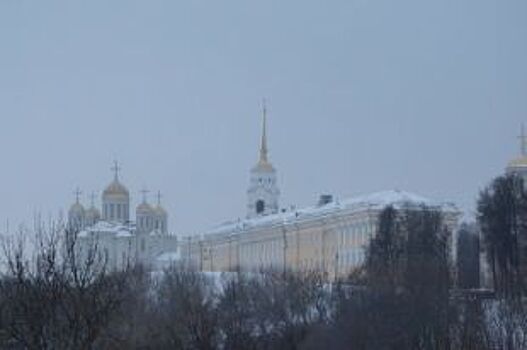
407, 295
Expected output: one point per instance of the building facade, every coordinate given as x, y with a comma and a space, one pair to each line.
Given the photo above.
330, 237
121, 241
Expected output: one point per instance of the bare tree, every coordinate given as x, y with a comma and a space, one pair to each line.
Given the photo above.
186, 307
502, 216
53, 299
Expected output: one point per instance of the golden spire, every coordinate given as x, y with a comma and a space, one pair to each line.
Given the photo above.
263, 147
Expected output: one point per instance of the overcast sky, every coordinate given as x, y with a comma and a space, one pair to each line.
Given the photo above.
363, 95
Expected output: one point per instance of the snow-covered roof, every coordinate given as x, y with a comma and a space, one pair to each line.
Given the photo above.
108, 228
374, 201
123, 234
156, 232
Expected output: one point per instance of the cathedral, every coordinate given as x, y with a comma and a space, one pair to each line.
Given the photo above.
123, 241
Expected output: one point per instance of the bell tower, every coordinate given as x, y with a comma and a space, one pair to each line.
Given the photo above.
263, 193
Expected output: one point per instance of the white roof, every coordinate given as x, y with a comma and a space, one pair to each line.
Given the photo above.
374, 201
108, 228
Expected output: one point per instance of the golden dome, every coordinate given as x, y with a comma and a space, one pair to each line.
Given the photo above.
264, 166
93, 212
520, 162
116, 188
77, 207
160, 211
144, 207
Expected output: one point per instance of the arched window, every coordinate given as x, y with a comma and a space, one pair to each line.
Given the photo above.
260, 206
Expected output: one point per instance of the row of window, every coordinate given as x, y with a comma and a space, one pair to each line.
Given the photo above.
147, 222
115, 211
339, 240
267, 254
357, 234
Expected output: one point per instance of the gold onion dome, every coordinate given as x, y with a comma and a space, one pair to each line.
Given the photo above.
93, 212
520, 162
144, 207
116, 188
159, 210
77, 207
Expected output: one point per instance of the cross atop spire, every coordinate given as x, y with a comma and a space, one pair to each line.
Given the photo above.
159, 198
92, 199
116, 168
145, 192
263, 147
523, 141
77, 194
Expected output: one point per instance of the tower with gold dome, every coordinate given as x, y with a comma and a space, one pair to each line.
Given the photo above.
144, 215
116, 200
263, 193
76, 214
518, 165
92, 214
160, 216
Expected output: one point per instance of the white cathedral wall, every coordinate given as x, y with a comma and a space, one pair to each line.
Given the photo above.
120, 252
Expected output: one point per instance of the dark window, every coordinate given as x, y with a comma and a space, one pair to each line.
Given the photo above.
260, 206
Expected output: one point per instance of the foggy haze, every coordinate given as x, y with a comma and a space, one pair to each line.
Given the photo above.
362, 96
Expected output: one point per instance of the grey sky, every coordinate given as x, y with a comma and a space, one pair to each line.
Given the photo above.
364, 95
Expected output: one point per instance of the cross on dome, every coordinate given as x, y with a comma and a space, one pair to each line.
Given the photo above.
77, 194
158, 197
144, 192
116, 168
